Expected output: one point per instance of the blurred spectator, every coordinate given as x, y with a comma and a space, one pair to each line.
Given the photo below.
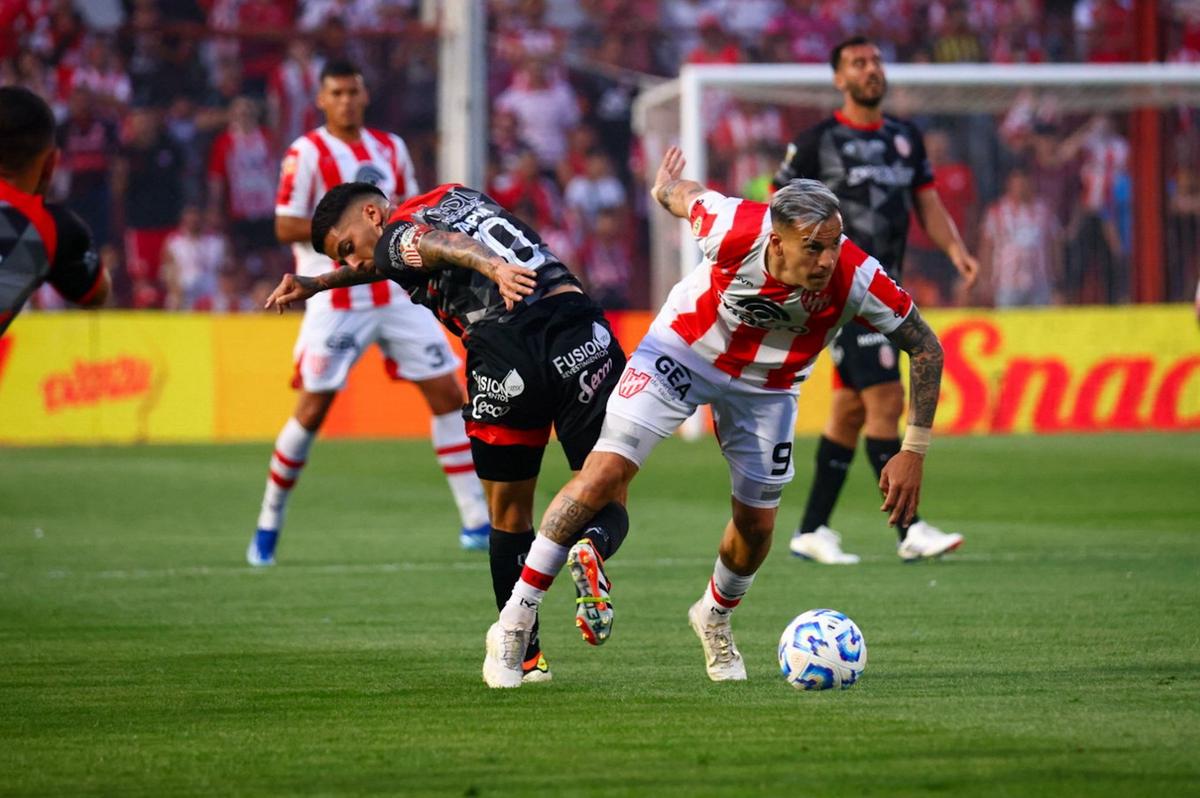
270, 23
291, 111
607, 260
744, 142
681, 23
955, 183
233, 293
87, 143
192, 256
546, 110
594, 191
149, 195
1096, 255
806, 31
102, 73
1183, 229
242, 175
27, 69
526, 191
746, 19
608, 100
958, 42
1105, 30
715, 46
1021, 252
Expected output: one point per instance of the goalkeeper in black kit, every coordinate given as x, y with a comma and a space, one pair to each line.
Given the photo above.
539, 353
876, 165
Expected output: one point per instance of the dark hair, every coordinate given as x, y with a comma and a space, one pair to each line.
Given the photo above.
26, 128
339, 68
835, 55
333, 205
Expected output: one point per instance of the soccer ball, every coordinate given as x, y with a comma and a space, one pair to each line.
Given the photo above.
821, 650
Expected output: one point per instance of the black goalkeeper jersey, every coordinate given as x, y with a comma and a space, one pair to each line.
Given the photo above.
875, 172
461, 298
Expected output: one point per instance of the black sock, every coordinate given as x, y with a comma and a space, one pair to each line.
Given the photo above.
607, 529
833, 462
879, 451
506, 552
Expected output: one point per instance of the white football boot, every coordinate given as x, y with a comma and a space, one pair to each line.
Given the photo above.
925, 541
722, 659
822, 545
502, 665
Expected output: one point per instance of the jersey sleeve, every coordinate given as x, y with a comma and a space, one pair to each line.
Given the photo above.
76, 270
885, 305
922, 169
800, 160
712, 217
297, 178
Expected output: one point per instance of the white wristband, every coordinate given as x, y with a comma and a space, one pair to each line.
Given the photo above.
916, 439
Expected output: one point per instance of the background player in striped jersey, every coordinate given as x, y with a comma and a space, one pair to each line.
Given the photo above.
39, 243
539, 354
877, 167
339, 326
739, 334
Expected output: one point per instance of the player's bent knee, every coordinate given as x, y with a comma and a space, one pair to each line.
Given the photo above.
754, 524
604, 477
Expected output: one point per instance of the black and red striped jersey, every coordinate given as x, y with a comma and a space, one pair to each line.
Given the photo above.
461, 298
42, 243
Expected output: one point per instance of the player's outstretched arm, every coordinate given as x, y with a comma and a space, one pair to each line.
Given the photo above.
297, 288
458, 249
670, 190
901, 477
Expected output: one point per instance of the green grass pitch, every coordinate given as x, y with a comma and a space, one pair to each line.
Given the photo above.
1057, 654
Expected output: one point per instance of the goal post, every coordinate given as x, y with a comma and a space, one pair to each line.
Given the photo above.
681, 111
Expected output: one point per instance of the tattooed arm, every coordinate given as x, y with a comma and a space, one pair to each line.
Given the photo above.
438, 247
925, 367
670, 190
901, 477
297, 288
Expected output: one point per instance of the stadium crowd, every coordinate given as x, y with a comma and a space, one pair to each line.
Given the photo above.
174, 115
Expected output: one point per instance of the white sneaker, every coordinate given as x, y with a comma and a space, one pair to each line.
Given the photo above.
505, 651
925, 541
822, 545
722, 659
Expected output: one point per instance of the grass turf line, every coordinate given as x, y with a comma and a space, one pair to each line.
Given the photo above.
1060, 654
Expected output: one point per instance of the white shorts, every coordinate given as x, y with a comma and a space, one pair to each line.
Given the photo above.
664, 382
331, 341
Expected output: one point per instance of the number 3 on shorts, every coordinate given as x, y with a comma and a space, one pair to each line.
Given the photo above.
782, 456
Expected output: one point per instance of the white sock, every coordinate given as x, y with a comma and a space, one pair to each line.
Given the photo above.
725, 591
453, 450
543, 562
291, 451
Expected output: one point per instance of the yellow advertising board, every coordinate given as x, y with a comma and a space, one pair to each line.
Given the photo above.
130, 377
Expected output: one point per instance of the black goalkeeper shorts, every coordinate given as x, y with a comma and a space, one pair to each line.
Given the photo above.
862, 358
552, 365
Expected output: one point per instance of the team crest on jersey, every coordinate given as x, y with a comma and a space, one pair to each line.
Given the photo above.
632, 382
902, 145
814, 301
369, 173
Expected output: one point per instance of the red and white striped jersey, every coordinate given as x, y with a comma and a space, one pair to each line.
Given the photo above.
316, 162
735, 315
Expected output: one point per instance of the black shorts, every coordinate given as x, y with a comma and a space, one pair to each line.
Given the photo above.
862, 358
554, 364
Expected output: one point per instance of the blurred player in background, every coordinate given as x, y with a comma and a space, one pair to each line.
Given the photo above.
876, 165
739, 334
339, 326
39, 242
539, 353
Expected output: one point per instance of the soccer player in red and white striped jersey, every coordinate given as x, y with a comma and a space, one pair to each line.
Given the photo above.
740, 333
339, 325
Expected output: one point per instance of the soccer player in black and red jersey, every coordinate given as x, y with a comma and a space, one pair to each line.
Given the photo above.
876, 165
39, 242
539, 352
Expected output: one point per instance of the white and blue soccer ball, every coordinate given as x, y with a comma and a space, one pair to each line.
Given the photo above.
822, 650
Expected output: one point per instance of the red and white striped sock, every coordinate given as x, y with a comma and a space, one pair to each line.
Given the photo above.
454, 456
291, 451
725, 591
543, 562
